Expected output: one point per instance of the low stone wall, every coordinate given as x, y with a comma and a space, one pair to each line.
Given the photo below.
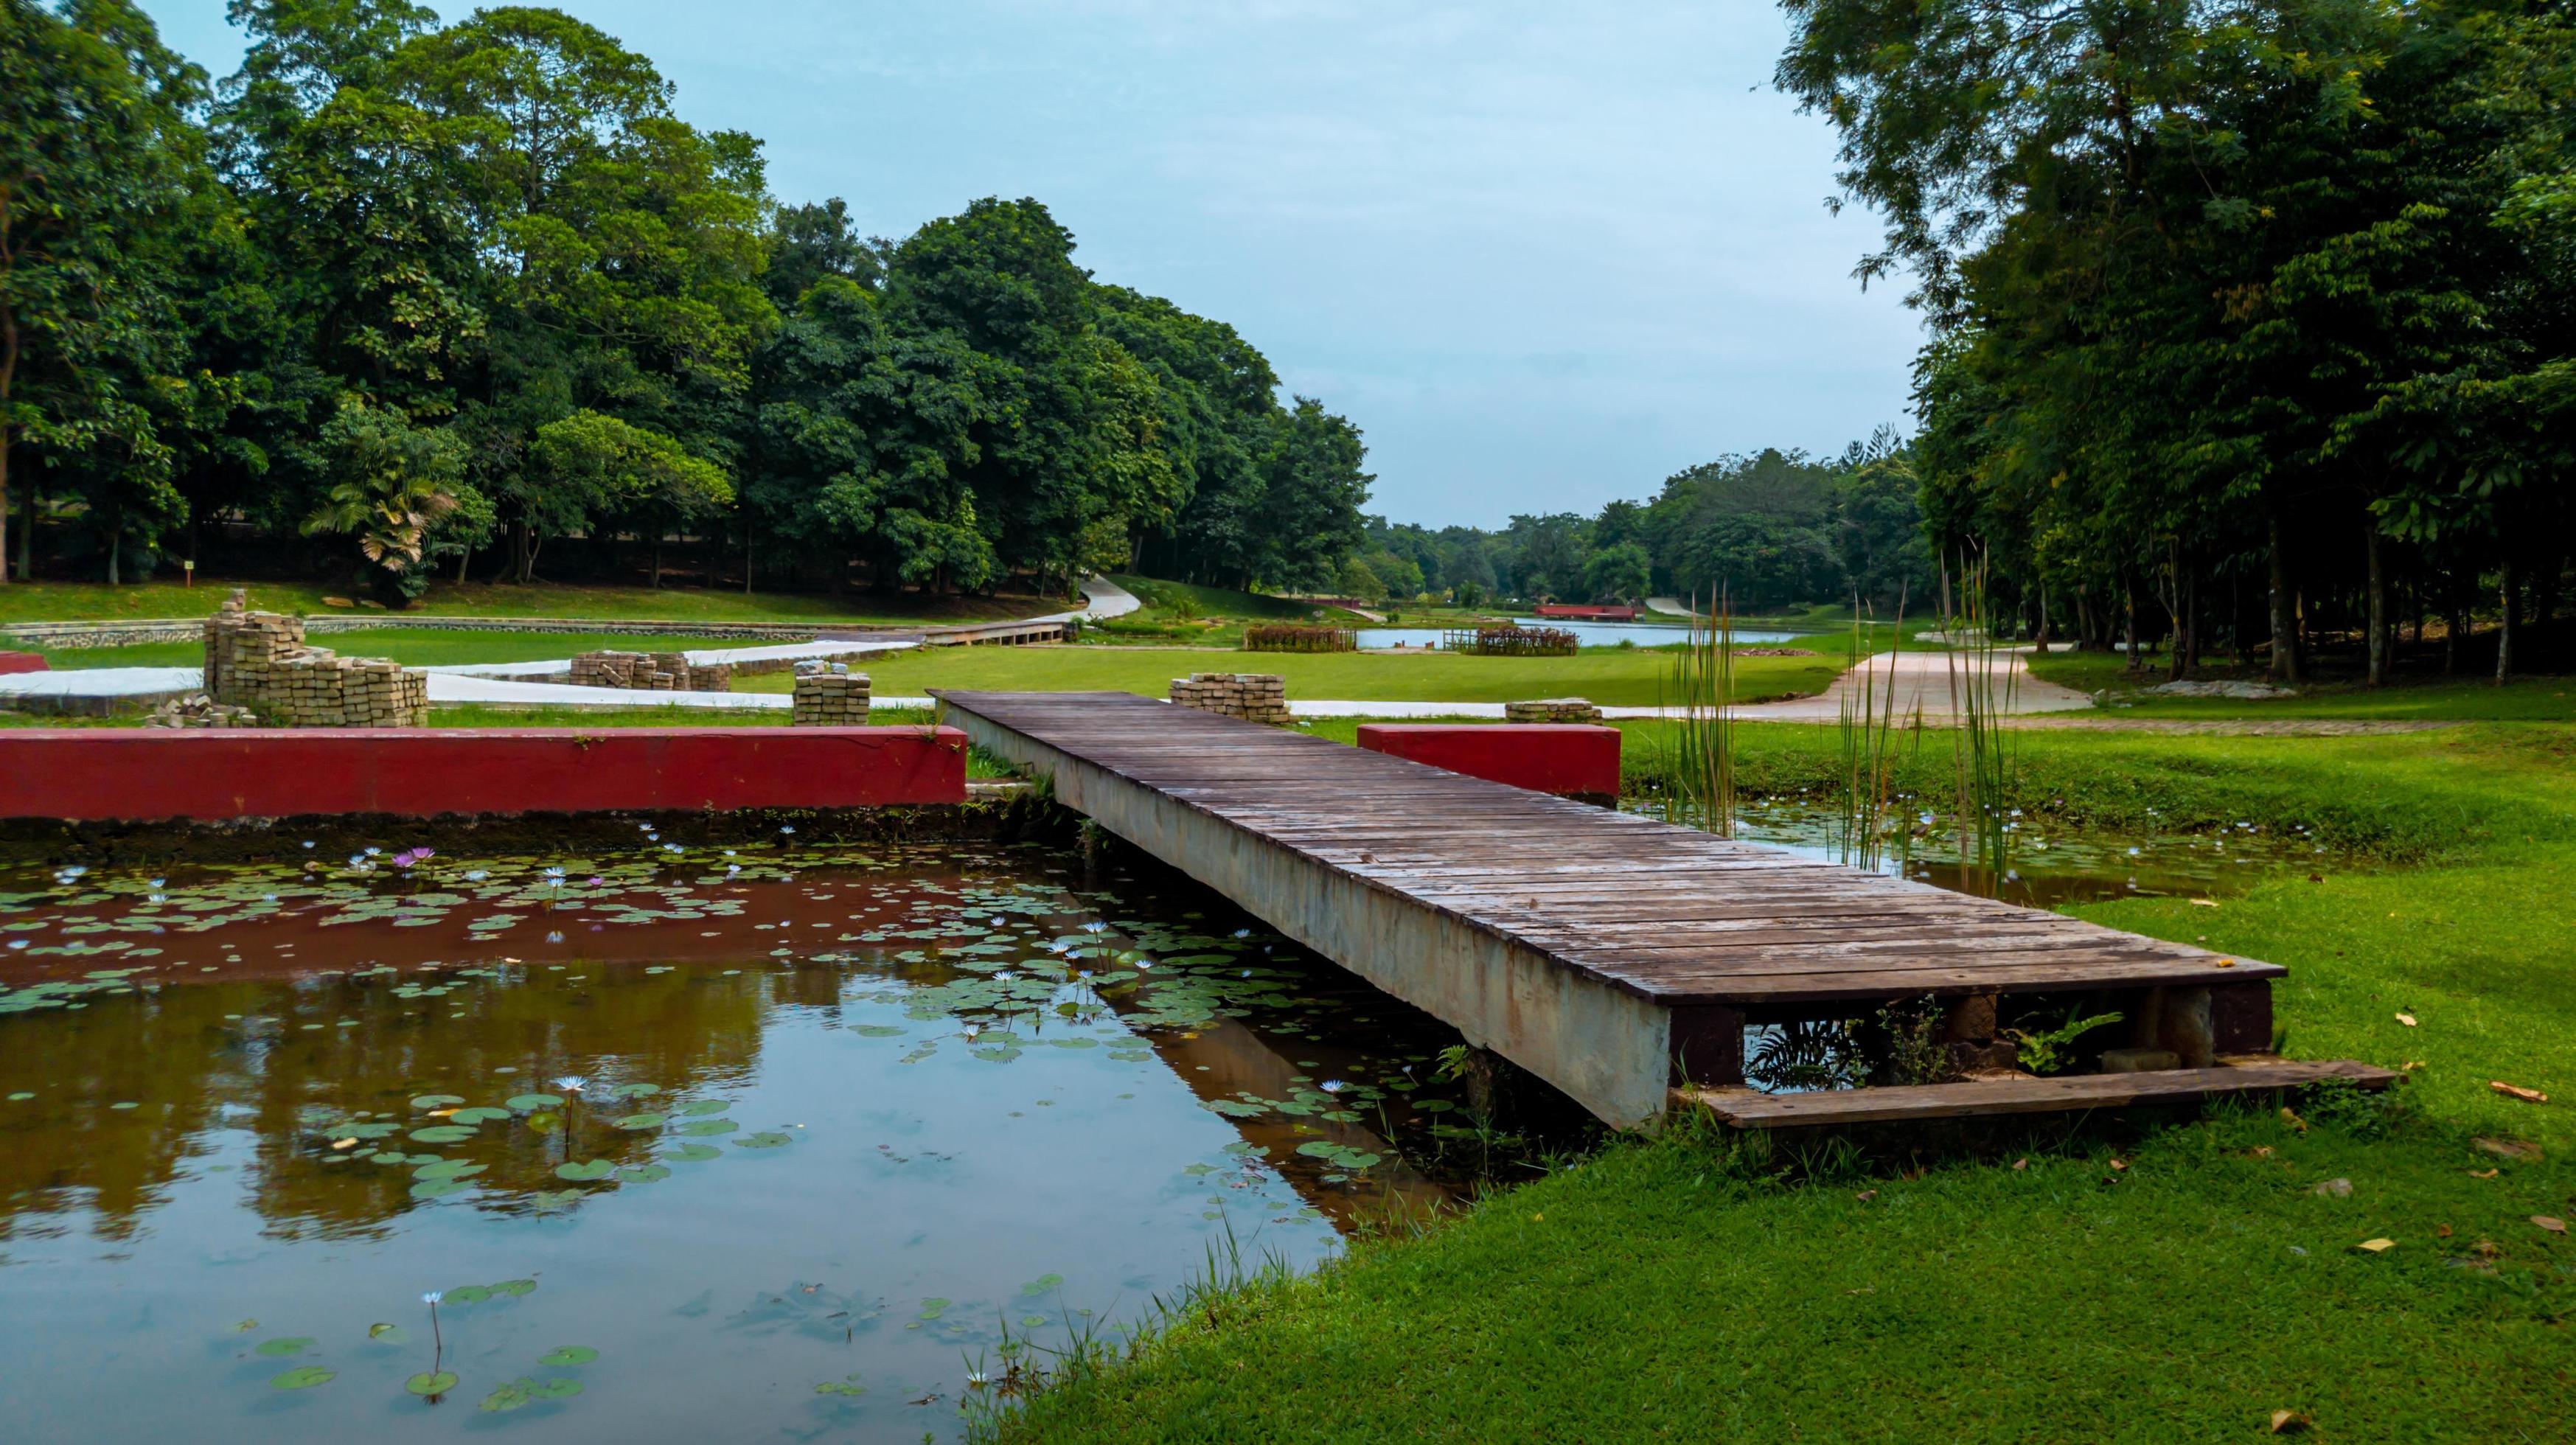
259, 660
1260, 697
136, 631
830, 695
650, 672
1552, 710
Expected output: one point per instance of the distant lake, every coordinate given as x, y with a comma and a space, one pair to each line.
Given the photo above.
1586, 634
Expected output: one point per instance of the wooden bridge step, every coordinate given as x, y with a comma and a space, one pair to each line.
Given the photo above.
1752, 1109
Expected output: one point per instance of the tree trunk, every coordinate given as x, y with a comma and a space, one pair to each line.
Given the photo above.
116, 555
2454, 623
2187, 644
2285, 614
657, 559
746, 554
2512, 622
2378, 613
2129, 607
27, 535
2042, 635
462, 560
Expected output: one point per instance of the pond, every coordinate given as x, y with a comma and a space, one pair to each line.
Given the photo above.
691, 1144
1586, 634
2047, 865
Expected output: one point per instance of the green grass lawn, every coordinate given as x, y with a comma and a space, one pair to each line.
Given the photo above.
2412, 694
1613, 676
413, 647
1700, 1287
85, 601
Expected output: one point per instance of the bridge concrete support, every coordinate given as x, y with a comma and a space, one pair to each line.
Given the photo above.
1608, 1049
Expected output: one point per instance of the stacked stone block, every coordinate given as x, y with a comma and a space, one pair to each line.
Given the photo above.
650, 672
1260, 697
1552, 710
829, 695
258, 660
197, 710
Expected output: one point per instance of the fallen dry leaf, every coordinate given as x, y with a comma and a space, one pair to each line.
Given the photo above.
2334, 1189
2411, 1065
2551, 1223
2291, 1118
2204, 903
2377, 1246
2262, 1151
2487, 1249
344, 1143
2227, 963
2515, 1091
2289, 1422
2120, 1164
2482, 1174
2406, 1019
2441, 1231
1866, 1195
2508, 1148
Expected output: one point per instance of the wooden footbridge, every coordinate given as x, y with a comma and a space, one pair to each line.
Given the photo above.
1619, 958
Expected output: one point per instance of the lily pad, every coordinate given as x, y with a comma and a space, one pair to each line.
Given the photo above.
507, 1397
709, 1128
569, 1355
293, 1345
642, 1121
443, 1134
765, 1139
701, 1108
479, 1114
586, 1169
389, 1334
530, 1103
431, 1382
634, 1091
1042, 1284
515, 1287
448, 1169
437, 1101
696, 1153
303, 1377
440, 1188
558, 1388
643, 1174
850, 1387
466, 1294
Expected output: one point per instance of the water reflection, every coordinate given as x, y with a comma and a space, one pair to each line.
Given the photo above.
1586, 634
696, 1099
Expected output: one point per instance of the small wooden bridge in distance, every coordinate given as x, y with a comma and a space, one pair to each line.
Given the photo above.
1619, 958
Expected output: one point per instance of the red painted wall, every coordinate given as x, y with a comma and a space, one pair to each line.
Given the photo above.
150, 774
21, 662
1548, 757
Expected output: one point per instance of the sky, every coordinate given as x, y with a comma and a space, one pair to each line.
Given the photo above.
1543, 255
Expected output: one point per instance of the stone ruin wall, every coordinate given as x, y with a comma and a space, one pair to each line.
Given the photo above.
1260, 697
650, 672
829, 695
259, 660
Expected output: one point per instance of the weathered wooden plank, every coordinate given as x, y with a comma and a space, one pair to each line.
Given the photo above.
1752, 1109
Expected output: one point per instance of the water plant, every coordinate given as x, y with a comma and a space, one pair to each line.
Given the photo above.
1864, 778
1699, 766
1983, 683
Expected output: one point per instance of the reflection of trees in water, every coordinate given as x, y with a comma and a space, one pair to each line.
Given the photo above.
184, 1064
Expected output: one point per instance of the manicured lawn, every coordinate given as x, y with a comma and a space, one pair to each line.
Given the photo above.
80, 601
2412, 693
1701, 1287
413, 647
1608, 675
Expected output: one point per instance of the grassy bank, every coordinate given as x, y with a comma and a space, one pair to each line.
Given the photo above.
1607, 675
1699, 1287
2413, 693
412, 647
88, 601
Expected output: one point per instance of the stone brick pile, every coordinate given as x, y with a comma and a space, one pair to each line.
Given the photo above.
258, 660
829, 695
1260, 697
650, 672
1552, 710
197, 710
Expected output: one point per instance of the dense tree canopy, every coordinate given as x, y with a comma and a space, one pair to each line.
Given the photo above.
2264, 301
448, 290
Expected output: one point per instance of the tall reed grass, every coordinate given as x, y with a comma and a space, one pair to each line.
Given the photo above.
1983, 685
1699, 761
1865, 772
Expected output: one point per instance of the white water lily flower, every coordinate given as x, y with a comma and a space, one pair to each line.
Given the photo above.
433, 1296
571, 1083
